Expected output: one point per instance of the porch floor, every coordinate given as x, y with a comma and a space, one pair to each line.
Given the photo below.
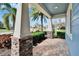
5, 52
51, 47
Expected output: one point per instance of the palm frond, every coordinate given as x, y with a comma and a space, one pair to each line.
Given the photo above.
34, 18
6, 21
34, 9
12, 13
45, 19
36, 14
13, 10
5, 6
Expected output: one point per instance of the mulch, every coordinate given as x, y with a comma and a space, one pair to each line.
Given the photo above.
5, 40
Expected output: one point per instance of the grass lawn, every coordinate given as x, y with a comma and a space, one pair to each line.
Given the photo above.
0, 30
60, 30
4, 30
36, 33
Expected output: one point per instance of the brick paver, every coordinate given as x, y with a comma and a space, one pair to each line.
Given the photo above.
5, 52
51, 47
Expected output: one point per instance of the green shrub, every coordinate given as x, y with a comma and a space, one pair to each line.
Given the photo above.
38, 37
61, 35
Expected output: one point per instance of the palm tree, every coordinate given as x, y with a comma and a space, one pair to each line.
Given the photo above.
10, 15
36, 15
1, 24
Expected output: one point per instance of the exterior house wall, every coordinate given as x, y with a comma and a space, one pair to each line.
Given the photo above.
75, 27
68, 34
74, 42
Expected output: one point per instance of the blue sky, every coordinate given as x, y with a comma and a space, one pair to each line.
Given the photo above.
2, 13
32, 23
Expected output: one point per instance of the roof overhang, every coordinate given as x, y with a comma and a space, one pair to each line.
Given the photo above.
47, 9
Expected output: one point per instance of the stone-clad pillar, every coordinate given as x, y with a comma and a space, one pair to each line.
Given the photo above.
22, 39
50, 29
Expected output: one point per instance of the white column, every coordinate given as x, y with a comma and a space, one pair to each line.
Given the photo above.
49, 24
21, 37
22, 25
50, 29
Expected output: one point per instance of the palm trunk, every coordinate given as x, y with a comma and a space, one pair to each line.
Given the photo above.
41, 22
6, 23
13, 22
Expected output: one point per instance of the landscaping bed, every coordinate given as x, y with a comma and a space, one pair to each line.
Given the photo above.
38, 37
59, 34
5, 41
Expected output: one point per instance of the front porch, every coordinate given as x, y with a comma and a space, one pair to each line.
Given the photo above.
49, 47
22, 40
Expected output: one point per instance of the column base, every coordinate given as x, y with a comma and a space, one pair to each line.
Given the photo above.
26, 45
22, 46
49, 34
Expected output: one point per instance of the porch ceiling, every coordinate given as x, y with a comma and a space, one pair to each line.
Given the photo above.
56, 8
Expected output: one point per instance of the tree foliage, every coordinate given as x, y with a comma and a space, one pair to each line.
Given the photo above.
36, 15
11, 13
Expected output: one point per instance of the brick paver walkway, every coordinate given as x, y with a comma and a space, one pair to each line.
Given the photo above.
5, 52
51, 47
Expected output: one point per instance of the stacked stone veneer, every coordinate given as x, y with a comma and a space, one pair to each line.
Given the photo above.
26, 46
22, 46
14, 46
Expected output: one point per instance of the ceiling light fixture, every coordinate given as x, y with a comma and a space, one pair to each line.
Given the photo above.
55, 7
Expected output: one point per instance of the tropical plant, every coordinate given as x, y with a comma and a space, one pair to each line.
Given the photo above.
10, 15
1, 24
36, 15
